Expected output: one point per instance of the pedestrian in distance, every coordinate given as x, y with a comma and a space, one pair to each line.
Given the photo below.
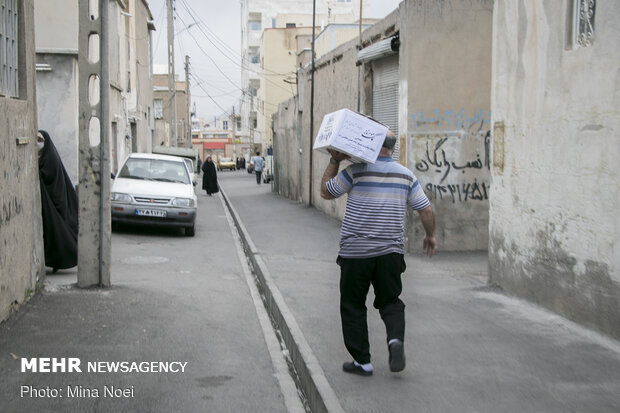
372, 248
257, 162
59, 207
209, 178
198, 165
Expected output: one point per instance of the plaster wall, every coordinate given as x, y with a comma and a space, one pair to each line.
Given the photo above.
444, 112
57, 105
446, 76
554, 222
288, 150
49, 16
21, 232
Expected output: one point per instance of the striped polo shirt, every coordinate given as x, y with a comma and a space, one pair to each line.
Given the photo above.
379, 193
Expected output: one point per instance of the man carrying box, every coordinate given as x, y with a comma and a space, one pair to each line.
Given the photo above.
372, 248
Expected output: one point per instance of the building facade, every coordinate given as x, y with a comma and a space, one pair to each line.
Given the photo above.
425, 72
22, 266
171, 112
508, 115
130, 71
257, 15
554, 221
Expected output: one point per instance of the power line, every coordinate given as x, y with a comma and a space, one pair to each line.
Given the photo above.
201, 23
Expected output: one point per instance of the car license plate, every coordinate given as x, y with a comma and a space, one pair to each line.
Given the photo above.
151, 213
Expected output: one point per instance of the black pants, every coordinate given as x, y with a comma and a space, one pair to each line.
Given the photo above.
356, 275
258, 176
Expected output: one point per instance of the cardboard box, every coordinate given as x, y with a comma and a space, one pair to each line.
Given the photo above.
352, 133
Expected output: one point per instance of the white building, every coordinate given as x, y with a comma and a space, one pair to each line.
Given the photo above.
257, 15
130, 63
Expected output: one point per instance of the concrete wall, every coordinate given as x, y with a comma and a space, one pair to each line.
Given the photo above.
554, 221
57, 96
21, 233
57, 105
444, 88
287, 144
445, 73
49, 17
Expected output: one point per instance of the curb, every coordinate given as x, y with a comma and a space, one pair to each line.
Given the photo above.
320, 395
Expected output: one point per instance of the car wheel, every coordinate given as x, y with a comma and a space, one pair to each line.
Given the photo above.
190, 231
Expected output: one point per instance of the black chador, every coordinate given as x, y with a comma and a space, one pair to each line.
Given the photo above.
59, 206
209, 178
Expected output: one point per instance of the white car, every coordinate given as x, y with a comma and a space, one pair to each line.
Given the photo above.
153, 189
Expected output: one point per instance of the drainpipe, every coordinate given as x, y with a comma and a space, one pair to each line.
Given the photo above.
311, 105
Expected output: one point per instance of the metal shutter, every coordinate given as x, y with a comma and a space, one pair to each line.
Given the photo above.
385, 94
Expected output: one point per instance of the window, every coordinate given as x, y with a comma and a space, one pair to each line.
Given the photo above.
9, 85
225, 125
254, 55
254, 25
158, 108
238, 124
583, 22
290, 25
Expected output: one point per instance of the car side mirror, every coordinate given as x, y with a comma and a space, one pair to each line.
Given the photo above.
112, 175
194, 183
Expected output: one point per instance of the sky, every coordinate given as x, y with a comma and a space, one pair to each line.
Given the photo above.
209, 32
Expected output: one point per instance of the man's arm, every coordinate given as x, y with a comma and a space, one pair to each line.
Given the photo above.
331, 171
428, 222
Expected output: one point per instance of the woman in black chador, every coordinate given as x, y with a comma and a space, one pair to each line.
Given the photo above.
59, 207
209, 179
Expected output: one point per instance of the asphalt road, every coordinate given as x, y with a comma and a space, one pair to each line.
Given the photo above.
174, 299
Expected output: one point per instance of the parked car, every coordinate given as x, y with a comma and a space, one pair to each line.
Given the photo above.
153, 189
226, 163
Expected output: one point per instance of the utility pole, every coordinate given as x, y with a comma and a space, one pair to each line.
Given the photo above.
172, 87
311, 105
233, 120
94, 242
188, 132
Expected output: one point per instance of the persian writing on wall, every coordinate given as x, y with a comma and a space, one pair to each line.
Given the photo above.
452, 166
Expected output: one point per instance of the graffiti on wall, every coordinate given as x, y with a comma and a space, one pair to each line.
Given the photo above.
454, 167
10, 208
451, 119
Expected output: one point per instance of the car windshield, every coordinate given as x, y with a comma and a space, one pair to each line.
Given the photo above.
189, 164
223, 160
155, 170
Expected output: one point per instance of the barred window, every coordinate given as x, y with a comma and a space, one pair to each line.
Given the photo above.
158, 108
583, 23
8, 49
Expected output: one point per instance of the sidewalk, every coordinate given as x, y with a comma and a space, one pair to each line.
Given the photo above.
469, 348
